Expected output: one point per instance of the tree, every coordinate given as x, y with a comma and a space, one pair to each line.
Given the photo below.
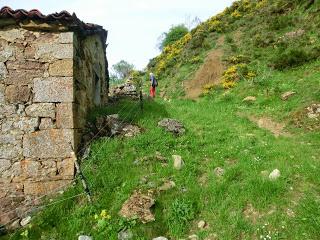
122, 69
174, 34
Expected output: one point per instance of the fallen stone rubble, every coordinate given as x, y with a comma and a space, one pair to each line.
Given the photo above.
172, 125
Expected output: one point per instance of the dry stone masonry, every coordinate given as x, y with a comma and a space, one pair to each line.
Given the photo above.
52, 71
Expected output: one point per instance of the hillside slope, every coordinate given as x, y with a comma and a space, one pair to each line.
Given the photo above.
258, 113
260, 36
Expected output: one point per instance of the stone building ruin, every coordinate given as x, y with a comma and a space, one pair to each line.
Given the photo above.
53, 69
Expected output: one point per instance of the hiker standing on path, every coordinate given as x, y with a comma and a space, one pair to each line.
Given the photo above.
153, 85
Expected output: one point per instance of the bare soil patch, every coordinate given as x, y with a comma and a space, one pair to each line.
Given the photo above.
209, 73
267, 123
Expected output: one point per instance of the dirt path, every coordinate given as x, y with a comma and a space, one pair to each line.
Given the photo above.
209, 73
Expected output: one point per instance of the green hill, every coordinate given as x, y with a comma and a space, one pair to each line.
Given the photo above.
246, 86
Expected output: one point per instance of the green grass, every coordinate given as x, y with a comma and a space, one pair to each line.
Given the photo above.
216, 137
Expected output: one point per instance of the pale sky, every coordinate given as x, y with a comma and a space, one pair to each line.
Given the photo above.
133, 25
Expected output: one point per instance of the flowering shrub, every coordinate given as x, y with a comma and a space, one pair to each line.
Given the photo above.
195, 60
102, 220
215, 25
207, 88
237, 59
236, 72
236, 14
261, 4
170, 54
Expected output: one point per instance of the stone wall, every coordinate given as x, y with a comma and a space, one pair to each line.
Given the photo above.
90, 76
40, 117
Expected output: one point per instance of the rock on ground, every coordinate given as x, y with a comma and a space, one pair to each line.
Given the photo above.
201, 224
313, 111
109, 126
84, 237
160, 238
172, 125
274, 175
25, 221
138, 205
193, 237
167, 185
127, 89
177, 162
249, 99
285, 96
125, 235
219, 172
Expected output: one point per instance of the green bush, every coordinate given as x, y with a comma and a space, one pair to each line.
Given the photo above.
198, 39
179, 214
290, 57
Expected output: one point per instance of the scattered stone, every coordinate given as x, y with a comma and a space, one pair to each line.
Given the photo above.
143, 180
177, 162
160, 238
313, 111
25, 221
274, 175
193, 237
15, 225
251, 213
127, 89
249, 99
160, 157
172, 125
125, 235
131, 130
167, 185
290, 213
84, 237
285, 96
138, 206
201, 224
109, 126
219, 172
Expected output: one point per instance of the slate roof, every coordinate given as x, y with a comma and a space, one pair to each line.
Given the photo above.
64, 18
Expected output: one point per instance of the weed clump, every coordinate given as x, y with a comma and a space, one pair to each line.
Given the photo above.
180, 212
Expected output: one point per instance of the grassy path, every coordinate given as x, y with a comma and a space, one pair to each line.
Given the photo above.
241, 204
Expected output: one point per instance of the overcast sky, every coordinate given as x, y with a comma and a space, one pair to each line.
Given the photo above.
134, 25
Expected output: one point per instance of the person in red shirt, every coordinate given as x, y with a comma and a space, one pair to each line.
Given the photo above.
153, 85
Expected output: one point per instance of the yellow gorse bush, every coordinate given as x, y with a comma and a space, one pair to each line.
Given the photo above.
236, 14
170, 53
236, 72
